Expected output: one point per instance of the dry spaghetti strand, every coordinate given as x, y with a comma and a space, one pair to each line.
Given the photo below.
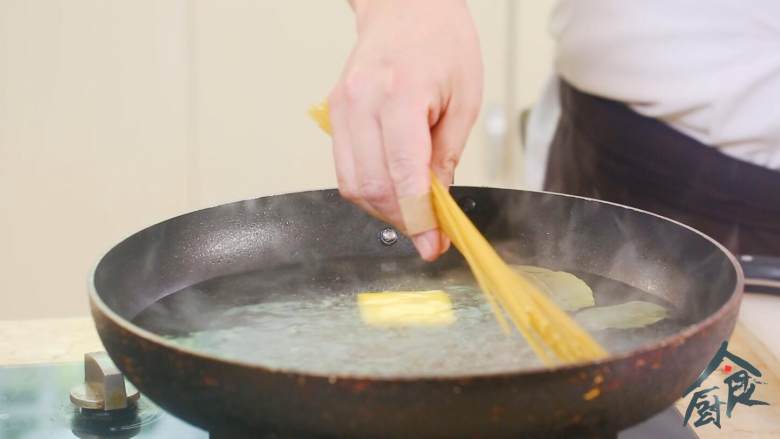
552, 334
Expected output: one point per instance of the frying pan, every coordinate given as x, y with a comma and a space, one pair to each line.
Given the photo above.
229, 398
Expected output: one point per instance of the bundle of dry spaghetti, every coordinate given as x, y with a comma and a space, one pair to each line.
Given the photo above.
552, 334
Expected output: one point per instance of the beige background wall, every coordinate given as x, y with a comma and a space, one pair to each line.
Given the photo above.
115, 115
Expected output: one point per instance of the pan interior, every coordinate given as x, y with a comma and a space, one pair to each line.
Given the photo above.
259, 270
305, 317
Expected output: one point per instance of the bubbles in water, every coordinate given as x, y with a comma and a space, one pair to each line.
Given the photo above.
309, 321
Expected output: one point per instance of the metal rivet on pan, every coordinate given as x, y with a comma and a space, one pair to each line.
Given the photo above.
467, 204
388, 236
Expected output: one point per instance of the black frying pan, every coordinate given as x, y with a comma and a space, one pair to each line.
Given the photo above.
689, 270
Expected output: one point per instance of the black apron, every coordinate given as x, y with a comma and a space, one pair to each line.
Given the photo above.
603, 149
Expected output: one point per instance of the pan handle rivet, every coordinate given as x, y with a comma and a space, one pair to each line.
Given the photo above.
467, 204
388, 236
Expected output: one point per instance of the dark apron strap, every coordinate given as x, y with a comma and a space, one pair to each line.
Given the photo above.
605, 150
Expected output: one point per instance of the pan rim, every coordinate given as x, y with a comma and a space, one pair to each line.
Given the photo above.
678, 338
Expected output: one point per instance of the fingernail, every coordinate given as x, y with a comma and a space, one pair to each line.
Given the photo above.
427, 244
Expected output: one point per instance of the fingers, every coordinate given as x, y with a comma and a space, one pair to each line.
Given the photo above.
407, 150
449, 138
384, 155
374, 183
384, 148
343, 157
392, 91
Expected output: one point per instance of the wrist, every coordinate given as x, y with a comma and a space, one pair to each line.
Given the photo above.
367, 10
361, 9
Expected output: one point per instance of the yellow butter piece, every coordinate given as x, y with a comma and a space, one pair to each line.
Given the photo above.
406, 308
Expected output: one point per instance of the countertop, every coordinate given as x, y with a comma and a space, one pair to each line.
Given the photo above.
755, 339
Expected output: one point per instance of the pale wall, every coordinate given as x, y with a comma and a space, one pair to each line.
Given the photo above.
115, 115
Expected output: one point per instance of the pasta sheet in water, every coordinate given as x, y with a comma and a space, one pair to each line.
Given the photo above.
572, 293
629, 315
565, 289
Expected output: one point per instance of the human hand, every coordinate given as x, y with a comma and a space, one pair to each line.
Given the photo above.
404, 105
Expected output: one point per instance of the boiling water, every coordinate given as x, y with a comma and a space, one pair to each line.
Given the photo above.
307, 319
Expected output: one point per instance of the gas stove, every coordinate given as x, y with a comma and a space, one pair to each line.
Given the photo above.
40, 402
35, 403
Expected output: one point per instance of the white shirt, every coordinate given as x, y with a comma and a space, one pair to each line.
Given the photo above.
710, 69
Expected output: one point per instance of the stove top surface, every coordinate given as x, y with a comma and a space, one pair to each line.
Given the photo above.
34, 404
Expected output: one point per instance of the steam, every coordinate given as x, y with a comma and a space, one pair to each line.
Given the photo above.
649, 254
